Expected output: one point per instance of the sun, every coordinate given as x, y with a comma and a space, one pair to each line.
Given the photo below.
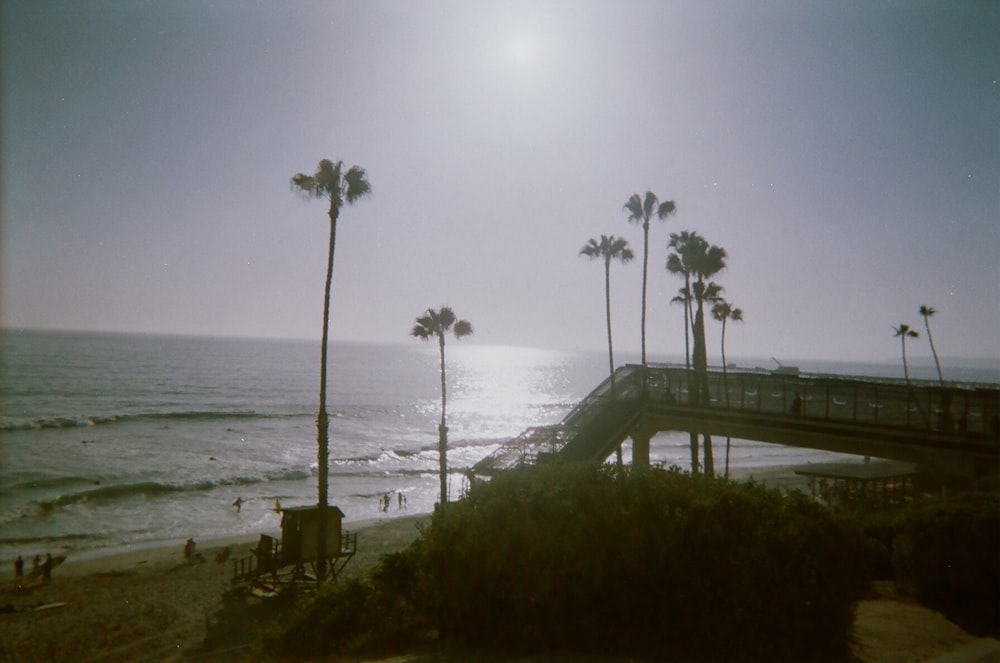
524, 50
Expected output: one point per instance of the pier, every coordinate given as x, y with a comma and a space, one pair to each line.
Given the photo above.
949, 429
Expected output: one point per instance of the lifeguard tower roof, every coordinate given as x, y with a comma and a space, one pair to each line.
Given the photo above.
311, 507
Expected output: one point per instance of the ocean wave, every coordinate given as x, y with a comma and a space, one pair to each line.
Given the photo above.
110, 493
87, 421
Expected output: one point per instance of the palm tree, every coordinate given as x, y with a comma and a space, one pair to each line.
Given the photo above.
723, 311
696, 260
329, 182
641, 210
685, 245
436, 324
609, 248
683, 297
927, 312
902, 332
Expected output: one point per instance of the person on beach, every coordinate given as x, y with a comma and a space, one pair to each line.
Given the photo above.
797, 405
35, 562
189, 549
47, 569
19, 567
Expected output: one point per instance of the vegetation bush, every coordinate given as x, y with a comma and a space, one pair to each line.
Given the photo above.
378, 612
653, 565
947, 552
646, 564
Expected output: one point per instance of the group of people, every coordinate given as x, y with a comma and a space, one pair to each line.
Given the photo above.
385, 500
39, 567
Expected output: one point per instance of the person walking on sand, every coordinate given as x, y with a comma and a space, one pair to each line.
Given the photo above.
19, 567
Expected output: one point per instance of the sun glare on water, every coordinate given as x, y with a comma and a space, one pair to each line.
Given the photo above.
505, 387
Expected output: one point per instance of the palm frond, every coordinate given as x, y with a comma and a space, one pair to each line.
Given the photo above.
721, 310
421, 332
357, 184
634, 208
649, 204
463, 328
446, 318
305, 186
665, 209
591, 249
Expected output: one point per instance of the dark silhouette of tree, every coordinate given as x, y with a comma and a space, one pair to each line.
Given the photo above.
608, 249
696, 260
927, 312
436, 324
641, 210
902, 333
331, 183
723, 311
683, 297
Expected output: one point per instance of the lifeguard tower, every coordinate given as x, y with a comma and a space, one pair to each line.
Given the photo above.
276, 566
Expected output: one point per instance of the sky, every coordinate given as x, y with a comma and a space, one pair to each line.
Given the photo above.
846, 154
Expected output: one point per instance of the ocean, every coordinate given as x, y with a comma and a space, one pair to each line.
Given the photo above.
112, 441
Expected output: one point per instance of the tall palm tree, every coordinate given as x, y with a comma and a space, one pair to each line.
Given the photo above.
609, 248
683, 297
641, 210
331, 183
705, 263
686, 245
696, 260
927, 312
436, 324
723, 311
902, 333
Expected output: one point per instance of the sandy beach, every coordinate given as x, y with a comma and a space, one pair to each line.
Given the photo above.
151, 604
147, 604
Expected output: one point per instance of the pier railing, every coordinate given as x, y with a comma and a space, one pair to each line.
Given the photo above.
971, 410
956, 411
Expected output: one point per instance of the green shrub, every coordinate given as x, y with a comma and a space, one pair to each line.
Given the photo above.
645, 564
378, 612
947, 553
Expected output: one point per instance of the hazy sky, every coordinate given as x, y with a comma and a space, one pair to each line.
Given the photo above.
846, 154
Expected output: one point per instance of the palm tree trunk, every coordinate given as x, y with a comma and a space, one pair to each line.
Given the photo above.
645, 265
607, 308
906, 370
701, 380
443, 430
688, 324
688, 319
323, 419
930, 339
725, 385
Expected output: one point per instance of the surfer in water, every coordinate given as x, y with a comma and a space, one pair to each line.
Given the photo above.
238, 504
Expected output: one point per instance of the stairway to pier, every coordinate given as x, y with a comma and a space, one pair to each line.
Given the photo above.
590, 431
